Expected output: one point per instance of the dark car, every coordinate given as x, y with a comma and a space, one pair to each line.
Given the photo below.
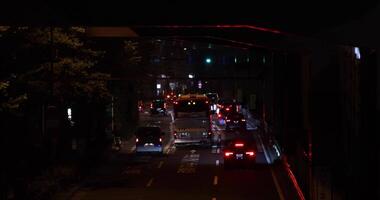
149, 139
235, 120
225, 107
240, 152
158, 106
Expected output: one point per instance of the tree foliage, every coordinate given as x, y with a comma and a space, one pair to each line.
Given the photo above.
53, 64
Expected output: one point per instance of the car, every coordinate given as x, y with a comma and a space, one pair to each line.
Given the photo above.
149, 139
235, 120
158, 106
239, 152
225, 107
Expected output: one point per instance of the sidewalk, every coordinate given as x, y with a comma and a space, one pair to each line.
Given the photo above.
277, 161
128, 147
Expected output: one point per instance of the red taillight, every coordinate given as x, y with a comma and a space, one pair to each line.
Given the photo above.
137, 140
227, 109
160, 139
250, 153
219, 115
239, 144
228, 154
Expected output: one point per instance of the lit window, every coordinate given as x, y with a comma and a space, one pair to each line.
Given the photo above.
69, 116
357, 53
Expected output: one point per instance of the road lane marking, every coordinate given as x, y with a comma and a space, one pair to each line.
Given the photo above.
215, 180
280, 194
132, 149
188, 164
217, 162
160, 164
168, 146
131, 170
263, 148
150, 182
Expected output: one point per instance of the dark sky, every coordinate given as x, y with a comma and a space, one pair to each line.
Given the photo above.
291, 16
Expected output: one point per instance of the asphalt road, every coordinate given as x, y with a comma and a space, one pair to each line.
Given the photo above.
185, 173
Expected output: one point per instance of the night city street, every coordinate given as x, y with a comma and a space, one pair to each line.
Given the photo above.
188, 100
186, 173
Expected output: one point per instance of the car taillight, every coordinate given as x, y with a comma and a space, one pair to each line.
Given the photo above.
151, 105
228, 120
239, 144
228, 154
219, 115
160, 139
137, 140
243, 120
250, 153
227, 109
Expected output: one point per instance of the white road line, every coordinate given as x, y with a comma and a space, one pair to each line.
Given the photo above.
150, 182
168, 145
215, 180
259, 148
265, 152
160, 164
280, 193
132, 149
217, 162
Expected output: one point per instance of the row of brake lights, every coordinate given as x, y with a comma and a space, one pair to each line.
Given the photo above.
239, 145
189, 103
137, 140
151, 105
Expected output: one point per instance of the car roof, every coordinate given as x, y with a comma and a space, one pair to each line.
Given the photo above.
148, 130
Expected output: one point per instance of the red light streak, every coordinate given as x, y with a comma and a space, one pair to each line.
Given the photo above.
218, 26
294, 180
